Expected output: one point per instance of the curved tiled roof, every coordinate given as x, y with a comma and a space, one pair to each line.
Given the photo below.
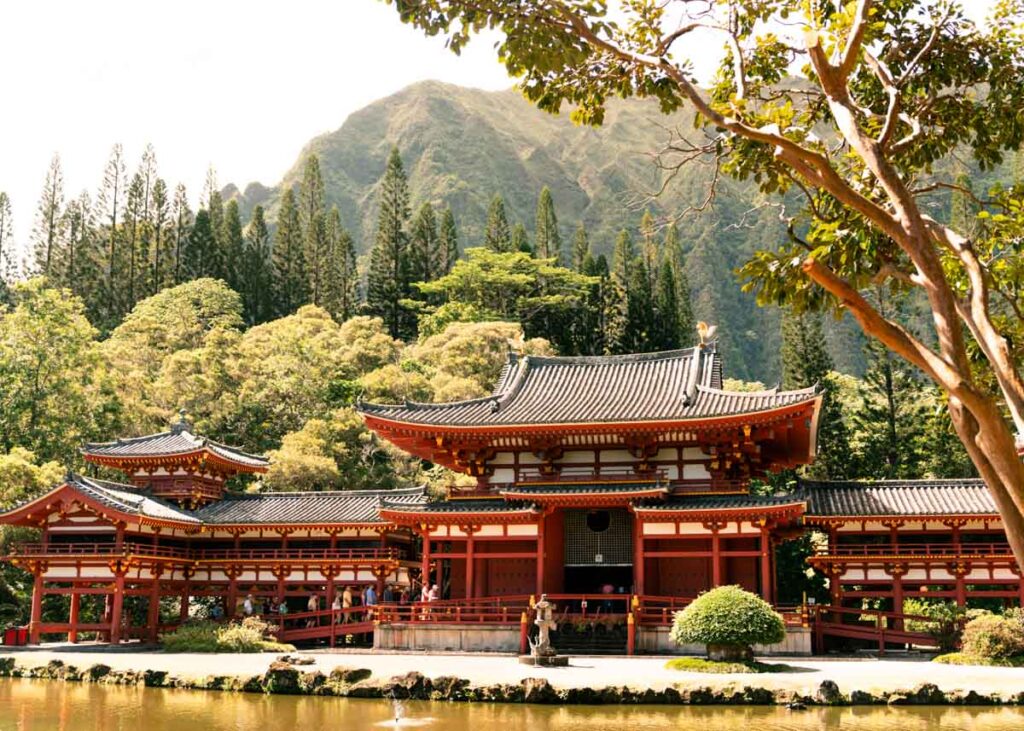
179, 440
673, 385
127, 499
898, 497
342, 506
721, 502
475, 505
585, 488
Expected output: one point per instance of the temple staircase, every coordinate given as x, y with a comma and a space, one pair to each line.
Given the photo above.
845, 628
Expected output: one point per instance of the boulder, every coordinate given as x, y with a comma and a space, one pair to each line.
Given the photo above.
349, 675
411, 685
154, 678
828, 694
281, 678
538, 690
927, 694
449, 688
863, 698
97, 671
6, 665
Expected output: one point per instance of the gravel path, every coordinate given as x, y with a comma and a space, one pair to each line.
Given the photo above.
594, 672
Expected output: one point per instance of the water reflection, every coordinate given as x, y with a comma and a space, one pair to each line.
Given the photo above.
27, 705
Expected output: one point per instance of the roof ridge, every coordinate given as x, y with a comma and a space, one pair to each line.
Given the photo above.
621, 358
327, 493
128, 440
893, 483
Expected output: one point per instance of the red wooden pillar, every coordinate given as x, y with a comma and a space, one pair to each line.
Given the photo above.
425, 567
897, 595
961, 586
540, 553
36, 615
229, 610
638, 556
153, 610
835, 586
183, 610
716, 557
470, 561
766, 566
117, 607
76, 602
439, 575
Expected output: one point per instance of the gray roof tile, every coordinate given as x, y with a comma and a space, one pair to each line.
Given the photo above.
720, 502
898, 497
129, 500
344, 506
169, 443
673, 385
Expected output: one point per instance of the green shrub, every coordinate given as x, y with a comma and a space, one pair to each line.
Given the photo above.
728, 620
993, 637
944, 621
959, 658
250, 635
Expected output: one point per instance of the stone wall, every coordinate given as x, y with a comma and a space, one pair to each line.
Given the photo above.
655, 641
447, 637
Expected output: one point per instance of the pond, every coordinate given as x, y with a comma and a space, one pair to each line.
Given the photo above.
40, 705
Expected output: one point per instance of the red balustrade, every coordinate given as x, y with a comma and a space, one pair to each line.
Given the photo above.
98, 549
296, 554
916, 549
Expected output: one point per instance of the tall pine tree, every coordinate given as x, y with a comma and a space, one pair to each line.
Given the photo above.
448, 241
134, 214
665, 328
806, 362
424, 246
497, 235
618, 334
343, 274
234, 245
8, 267
255, 271
291, 279
388, 279
181, 225
312, 218
47, 233
520, 240
673, 254
76, 265
547, 240
580, 247
201, 248
161, 259
109, 203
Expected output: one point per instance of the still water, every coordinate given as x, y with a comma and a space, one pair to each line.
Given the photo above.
39, 705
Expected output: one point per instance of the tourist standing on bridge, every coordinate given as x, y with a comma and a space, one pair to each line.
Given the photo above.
247, 606
370, 600
346, 603
313, 605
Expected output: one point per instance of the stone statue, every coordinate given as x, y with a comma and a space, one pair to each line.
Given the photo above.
545, 624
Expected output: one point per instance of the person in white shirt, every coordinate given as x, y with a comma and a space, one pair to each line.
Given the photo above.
247, 607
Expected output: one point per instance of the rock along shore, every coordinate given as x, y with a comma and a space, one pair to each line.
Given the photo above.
286, 677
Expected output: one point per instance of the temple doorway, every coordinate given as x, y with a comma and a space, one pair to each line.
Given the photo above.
593, 579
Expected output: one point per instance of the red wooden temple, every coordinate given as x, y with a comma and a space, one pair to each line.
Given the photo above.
616, 485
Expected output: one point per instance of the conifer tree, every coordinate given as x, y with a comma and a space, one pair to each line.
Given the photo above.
234, 245
618, 334
424, 246
7, 257
806, 362
201, 248
448, 240
639, 308
665, 325
312, 219
134, 211
76, 266
109, 203
343, 273
685, 320
649, 247
388, 278
291, 279
47, 233
497, 236
181, 225
217, 261
520, 240
160, 258
547, 241
255, 270
580, 247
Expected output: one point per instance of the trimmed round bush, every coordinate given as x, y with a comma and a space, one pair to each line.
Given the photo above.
728, 620
993, 637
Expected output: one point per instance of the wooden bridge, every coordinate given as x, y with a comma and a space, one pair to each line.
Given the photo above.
881, 629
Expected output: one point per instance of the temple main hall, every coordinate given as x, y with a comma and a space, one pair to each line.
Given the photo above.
619, 486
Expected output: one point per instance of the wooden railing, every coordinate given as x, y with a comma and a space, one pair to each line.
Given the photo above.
883, 628
296, 554
98, 549
659, 610
845, 550
570, 473
129, 548
486, 610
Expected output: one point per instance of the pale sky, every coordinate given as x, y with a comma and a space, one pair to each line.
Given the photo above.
239, 85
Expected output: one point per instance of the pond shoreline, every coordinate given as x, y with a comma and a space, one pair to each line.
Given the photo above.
361, 682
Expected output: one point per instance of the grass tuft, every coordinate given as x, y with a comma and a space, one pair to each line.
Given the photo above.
703, 665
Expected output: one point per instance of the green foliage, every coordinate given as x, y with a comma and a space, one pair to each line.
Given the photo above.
717, 667
22, 478
497, 236
339, 453
250, 635
944, 620
960, 658
390, 266
290, 273
993, 637
547, 240
53, 385
728, 615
